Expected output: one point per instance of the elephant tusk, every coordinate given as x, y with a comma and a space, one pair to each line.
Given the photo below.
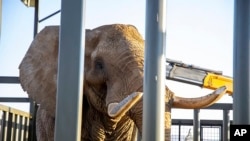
119, 109
200, 102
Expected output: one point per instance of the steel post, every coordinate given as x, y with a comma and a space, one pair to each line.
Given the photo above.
33, 105
241, 63
179, 132
70, 73
36, 17
0, 19
154, 71
196, 128
226, 125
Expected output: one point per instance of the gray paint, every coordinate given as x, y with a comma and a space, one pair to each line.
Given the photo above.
226, 125
154, 71
241, 66
0, 19
196, 129
70, 73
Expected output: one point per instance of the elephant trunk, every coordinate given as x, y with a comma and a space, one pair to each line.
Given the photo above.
121, 97
136, 115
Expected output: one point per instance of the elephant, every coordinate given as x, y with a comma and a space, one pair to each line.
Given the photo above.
113, 84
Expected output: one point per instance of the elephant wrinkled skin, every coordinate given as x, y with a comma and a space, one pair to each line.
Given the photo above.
113, 84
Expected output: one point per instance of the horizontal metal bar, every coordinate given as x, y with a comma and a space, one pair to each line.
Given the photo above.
14, 99
9, 79
220, 106
202, 122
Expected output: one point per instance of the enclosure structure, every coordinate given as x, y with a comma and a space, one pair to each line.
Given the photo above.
17, 127
14, 124
240, 60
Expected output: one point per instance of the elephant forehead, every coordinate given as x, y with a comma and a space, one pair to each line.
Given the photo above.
130, 47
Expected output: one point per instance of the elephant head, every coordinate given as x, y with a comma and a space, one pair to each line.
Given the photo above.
113, 80
115, 65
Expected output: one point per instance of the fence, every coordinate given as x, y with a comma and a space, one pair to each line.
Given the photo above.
210, 130
20, 126
14, 124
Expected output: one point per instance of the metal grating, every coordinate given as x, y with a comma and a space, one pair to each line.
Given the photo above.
211, 133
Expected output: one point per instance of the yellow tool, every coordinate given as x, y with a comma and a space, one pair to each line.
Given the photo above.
190, 74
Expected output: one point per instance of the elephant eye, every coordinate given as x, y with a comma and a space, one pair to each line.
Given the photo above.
98, 65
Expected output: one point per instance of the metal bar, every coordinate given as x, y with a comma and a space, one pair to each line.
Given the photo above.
201, 133
10, 99
202, 122
32, 127
36, 17
138, 136
154, 82
45, 18
4, 125
196, 129
70, 73
0, 19
25, 128
9, 126
241, 61
226, 124
219, 106
9, 79
179, 135
33, 105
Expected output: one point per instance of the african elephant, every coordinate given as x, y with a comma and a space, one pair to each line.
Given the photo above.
113, 84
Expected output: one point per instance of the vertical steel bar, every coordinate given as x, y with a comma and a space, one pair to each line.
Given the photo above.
201, 133
226, 124
36, 17
32, 126
241, 67
179, 132
9, 126
70, 73
154, 71
33, 106
138, 136
196, 131
0, 19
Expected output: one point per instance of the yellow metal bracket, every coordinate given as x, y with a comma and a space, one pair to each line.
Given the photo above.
214, 81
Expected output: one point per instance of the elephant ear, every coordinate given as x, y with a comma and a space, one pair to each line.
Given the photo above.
91, 41
38, 69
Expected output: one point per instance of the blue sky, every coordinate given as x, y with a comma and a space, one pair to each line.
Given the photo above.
198, 32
